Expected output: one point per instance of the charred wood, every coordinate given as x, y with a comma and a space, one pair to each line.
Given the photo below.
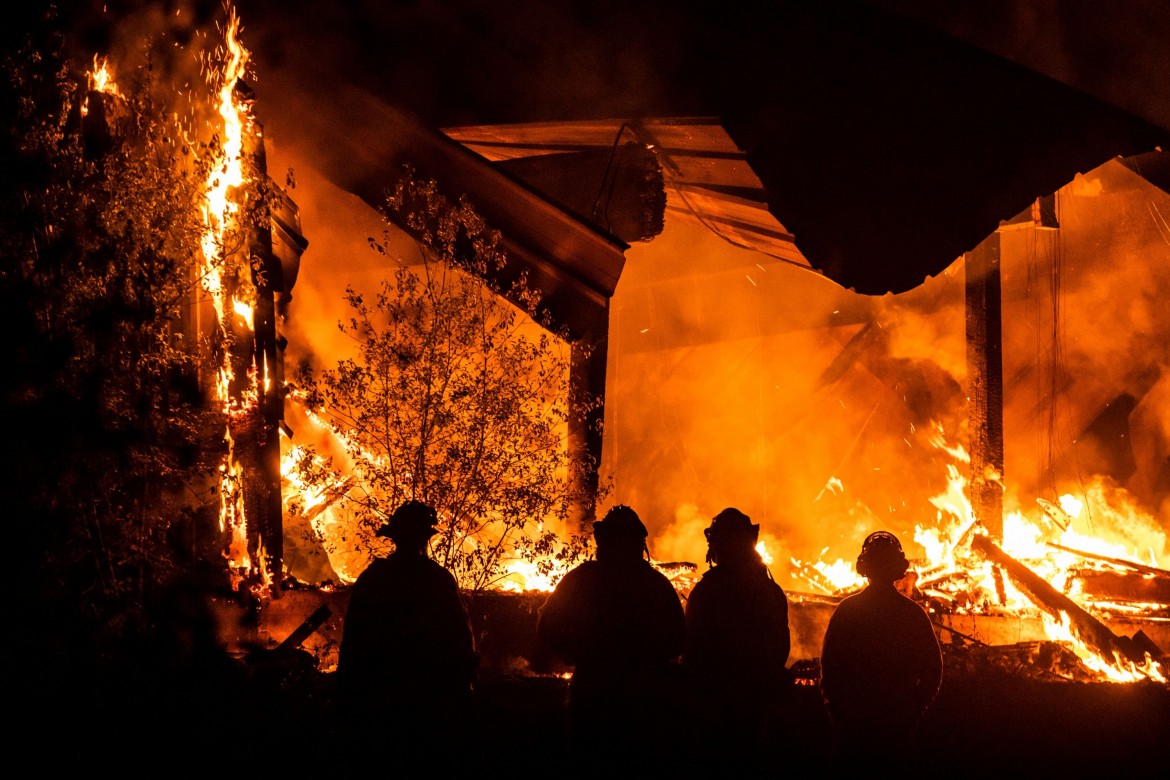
621, 191
985, 378
306, 628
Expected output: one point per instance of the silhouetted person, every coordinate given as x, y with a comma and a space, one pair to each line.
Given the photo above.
407, 660
619, 622
736, 651
881, 664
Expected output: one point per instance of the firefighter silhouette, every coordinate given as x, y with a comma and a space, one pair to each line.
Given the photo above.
881, 663
407, 661
619, 622
736, 651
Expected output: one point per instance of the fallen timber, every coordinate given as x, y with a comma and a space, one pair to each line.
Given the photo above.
1147, 593
1083, 625
1132, 565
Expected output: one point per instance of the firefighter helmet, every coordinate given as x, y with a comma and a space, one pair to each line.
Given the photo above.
414, 519
882, 558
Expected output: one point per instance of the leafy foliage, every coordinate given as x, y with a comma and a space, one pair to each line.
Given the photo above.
110, 448
458, 395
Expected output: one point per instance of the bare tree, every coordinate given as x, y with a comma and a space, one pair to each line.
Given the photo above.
459, 395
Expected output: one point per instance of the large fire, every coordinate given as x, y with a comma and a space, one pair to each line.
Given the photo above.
226, 278
1063, 542
1059, 543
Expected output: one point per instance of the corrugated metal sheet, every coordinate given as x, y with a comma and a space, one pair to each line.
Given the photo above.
708, 178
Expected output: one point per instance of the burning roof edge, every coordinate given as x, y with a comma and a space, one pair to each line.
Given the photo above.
574, 263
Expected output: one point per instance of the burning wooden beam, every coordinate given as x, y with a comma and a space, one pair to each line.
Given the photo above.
1084, 627
310, 624
1150, 584
1134, 565
1137, 589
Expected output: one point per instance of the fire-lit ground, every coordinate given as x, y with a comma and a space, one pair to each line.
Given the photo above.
277, 710
1024, 703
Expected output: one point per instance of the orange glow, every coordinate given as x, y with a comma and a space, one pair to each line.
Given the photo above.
970, 584
685, 444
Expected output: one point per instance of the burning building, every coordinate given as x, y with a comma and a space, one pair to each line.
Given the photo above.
820, 379
788, 341
976, 365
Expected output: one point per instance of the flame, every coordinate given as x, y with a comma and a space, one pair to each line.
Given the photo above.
245, 312
317, 505
100, 79
1099, 522
1113, 669
220, 209
972, 586
228, 174
323, 507
527, 576
264, 587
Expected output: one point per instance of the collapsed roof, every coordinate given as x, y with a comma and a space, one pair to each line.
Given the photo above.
884, 147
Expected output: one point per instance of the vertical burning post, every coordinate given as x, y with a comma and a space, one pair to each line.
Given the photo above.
241, 276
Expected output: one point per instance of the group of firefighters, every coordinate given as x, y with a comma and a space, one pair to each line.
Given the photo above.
655, 683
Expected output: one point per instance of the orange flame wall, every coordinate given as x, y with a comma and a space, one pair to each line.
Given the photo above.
735, 381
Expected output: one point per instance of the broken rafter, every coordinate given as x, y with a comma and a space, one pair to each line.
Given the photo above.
1115, 561
1084, 626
